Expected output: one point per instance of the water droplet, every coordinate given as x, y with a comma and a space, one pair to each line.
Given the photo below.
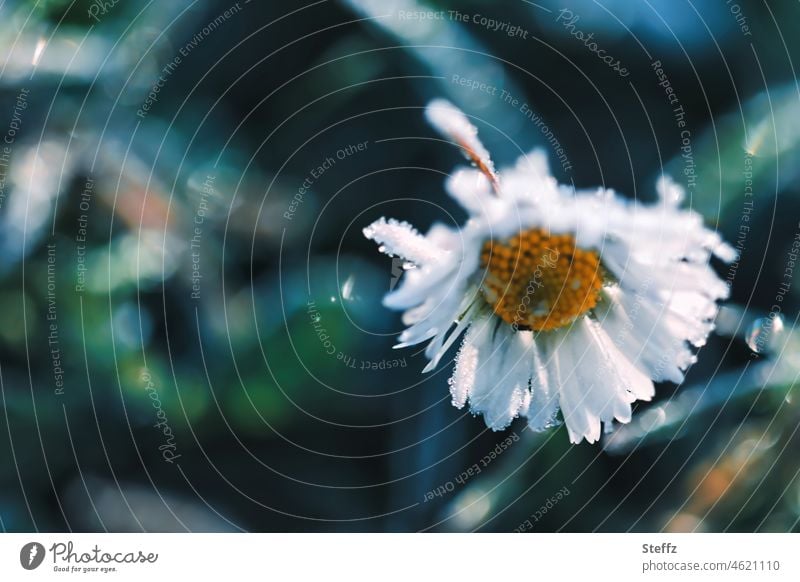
765, 333
554, 422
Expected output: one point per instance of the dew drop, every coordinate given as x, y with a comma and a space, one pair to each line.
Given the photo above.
765, 333
553, 422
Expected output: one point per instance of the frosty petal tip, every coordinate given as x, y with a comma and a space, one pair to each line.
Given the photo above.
451, 122
726, 252
669, 191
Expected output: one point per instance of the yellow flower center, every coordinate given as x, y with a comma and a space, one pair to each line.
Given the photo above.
539, 281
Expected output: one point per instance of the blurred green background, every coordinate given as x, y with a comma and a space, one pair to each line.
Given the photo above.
191, 332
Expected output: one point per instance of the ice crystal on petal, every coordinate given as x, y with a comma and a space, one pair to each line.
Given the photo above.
400, 239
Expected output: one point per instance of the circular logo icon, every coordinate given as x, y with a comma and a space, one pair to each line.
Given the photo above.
31, 555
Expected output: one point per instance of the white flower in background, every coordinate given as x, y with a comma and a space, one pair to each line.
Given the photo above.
571, 301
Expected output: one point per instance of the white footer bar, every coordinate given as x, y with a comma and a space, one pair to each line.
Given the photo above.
389, 557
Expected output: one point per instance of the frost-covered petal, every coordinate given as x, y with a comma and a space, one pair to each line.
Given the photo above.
669, 191
628, 378
580, 423
472, 190
501, 391
439, 346
657, 280
415, 286
543, 407
595, 389
639, 330
451, 122
529, 182
462, 382
440, 278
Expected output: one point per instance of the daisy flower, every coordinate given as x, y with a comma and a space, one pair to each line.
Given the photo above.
566, 301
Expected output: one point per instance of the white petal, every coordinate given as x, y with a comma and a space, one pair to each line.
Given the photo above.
451, 122
656, 280
414, 287
443, 236
631, 379
442, 278
571, 394
669, 191
439, 346
401, 239
501, 387
472, 190
534, 164
462, 381
640, 332
597, 389
543, 406
529, 182
725, 252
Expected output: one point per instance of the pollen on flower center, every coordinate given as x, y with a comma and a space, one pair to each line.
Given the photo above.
540, 281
